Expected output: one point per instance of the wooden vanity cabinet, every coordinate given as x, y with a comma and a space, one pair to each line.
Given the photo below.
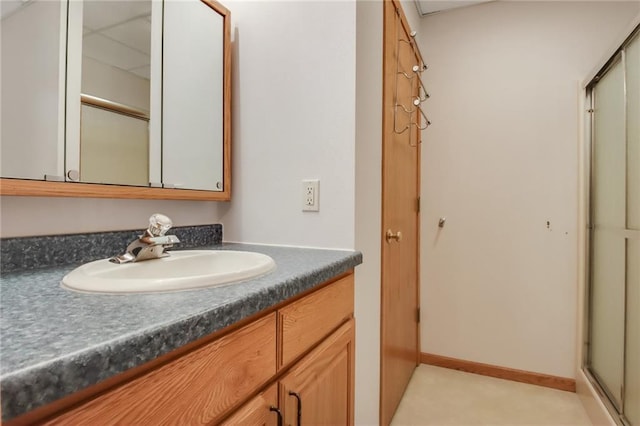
197, 388
296, 359
319, 389
303, 323
262, 410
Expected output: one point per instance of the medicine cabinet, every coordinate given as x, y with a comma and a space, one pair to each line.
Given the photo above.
117, 99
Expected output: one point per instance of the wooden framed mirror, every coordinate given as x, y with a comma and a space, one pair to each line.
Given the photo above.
51, 106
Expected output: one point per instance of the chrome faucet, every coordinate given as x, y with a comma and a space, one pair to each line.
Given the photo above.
152, 244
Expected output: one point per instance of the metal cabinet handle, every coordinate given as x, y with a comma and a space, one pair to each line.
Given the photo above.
391, 236
297, 396
278, 412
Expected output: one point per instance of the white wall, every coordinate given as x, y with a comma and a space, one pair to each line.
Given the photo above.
294, 118
26, 216
368, 208
499, 161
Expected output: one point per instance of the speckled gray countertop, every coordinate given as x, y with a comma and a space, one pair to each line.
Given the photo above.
54, 342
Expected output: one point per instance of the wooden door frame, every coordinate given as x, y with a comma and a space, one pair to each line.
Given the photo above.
386, 128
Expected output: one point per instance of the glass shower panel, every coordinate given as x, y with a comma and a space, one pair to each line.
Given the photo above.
608, 241
633, 135
607, 311
632, 362
609, 174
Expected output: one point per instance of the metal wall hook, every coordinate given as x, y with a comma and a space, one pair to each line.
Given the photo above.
412, 123
426, 95
421, 86
416, 69
408, 111
395, 116
414, 46
399, 132
427, 122
426, 119
409, 77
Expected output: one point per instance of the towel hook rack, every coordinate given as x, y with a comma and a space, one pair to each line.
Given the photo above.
416, 99
421, 86
415, 48
427, 122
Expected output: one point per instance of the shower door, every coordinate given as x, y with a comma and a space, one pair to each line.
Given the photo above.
614, 320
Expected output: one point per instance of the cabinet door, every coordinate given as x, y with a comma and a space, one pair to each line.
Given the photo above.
258, 411
319, 389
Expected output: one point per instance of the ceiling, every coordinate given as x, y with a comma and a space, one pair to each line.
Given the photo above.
8, 7
115, 32
431, 6
118, 33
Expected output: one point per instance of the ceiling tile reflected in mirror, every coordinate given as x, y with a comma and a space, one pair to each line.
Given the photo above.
118, 33
99, 15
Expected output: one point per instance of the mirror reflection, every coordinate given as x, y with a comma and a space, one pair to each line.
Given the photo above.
33, 79
116, 69
193, 108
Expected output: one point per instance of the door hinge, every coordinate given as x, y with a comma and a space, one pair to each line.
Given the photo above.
418, 204
418, 315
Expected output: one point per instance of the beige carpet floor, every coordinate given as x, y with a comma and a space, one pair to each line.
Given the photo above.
440, 396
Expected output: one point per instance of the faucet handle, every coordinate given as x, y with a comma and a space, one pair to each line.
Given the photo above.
159, 224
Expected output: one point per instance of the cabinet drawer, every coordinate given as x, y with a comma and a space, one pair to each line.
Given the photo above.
197, 388
308, 320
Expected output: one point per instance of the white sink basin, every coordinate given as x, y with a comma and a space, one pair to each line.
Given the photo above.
182, 270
